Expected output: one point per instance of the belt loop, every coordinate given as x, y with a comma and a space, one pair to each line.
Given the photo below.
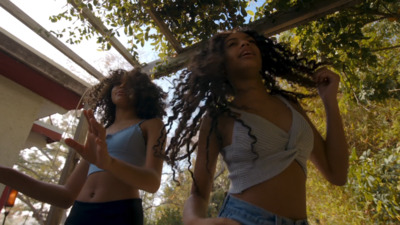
278, 220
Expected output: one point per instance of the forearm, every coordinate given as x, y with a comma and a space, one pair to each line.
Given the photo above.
195, 208
45, 192
336, 145
138, 177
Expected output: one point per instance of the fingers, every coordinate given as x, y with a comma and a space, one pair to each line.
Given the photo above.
75, 145
226, 221
324, 76
89, 115
94, 127
98, 129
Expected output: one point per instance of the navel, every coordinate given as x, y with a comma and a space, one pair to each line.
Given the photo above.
92, 195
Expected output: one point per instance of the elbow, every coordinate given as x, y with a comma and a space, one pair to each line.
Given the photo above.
65, 205
153, 189
67, 202
339, 180
153, 186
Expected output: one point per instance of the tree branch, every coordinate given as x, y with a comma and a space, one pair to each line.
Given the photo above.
387, 48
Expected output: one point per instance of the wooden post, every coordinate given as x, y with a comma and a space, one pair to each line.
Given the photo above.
55, 214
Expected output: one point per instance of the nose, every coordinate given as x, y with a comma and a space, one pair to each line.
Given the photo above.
244, 43
122, 85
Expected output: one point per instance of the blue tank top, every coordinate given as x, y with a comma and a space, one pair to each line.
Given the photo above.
127, 145
276, 149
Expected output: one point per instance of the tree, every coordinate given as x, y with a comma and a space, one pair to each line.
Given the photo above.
361, 42
142, 21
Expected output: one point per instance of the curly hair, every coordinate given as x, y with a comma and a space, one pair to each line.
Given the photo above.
148, 97
204, 90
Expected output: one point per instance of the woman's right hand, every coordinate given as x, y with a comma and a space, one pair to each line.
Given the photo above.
214, 221
95, 148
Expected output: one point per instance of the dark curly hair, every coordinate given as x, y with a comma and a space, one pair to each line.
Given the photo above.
204, 90
148, 97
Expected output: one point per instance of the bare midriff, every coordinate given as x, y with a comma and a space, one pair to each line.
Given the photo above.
283, 195
104, 187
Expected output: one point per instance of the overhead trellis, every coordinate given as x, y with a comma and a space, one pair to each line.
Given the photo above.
177, 28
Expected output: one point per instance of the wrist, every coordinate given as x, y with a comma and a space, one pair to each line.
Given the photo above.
109, 164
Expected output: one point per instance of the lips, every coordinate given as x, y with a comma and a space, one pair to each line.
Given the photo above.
246, 52
120, 93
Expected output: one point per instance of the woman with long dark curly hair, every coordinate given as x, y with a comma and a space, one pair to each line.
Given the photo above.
118, 159
231, 93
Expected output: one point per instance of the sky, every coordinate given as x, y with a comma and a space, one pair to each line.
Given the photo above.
40, 11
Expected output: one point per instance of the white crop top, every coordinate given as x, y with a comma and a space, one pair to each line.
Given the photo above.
276, 149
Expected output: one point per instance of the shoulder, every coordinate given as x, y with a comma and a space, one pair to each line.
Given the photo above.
152, 128
294, 103
220, 126
154, 124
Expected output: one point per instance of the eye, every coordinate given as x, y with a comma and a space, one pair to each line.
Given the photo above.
252, 41
116, 84
231, 43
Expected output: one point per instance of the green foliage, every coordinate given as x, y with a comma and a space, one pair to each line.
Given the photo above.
371, 195
174, 195
189, 21
376, 184
329, 204
361, 42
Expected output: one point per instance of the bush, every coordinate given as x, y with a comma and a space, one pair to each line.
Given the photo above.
374, 180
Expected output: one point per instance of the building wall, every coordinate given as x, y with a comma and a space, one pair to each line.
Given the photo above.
18, 110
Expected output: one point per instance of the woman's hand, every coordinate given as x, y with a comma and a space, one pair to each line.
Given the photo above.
95, 148
327, 84
215, 221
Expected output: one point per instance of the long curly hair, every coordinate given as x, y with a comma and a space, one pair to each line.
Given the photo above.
148, 97
204, 90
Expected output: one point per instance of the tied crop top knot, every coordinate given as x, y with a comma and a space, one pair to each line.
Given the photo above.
276, 149
127, 145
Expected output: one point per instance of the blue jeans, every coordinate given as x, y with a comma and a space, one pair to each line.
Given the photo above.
248, 214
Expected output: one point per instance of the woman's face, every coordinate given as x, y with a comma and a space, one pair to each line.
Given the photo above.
119, 94
242, 55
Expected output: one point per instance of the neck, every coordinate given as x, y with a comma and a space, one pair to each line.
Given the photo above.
122, 114
249, 91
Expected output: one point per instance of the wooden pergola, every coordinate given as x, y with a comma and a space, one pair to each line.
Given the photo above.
268, 26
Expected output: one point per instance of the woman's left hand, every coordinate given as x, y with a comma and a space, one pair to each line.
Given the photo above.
95, 148
327, 84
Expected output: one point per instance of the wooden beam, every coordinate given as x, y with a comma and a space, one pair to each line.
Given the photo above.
47, 36
280, 22
99, 26
20, 60
163, 27
56, 213
268, 26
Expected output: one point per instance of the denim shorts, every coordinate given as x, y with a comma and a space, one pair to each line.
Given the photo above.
248, 214
121, 212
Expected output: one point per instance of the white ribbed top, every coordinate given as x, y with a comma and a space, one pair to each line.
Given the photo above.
276, 149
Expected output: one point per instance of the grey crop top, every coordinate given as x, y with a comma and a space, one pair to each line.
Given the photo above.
276, 149
127, 145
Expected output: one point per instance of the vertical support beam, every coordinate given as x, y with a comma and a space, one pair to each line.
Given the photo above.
55, 214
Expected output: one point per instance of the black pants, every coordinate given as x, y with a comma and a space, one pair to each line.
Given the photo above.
122, 212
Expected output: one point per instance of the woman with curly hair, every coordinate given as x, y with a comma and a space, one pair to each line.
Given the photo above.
230, 94
118, 159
